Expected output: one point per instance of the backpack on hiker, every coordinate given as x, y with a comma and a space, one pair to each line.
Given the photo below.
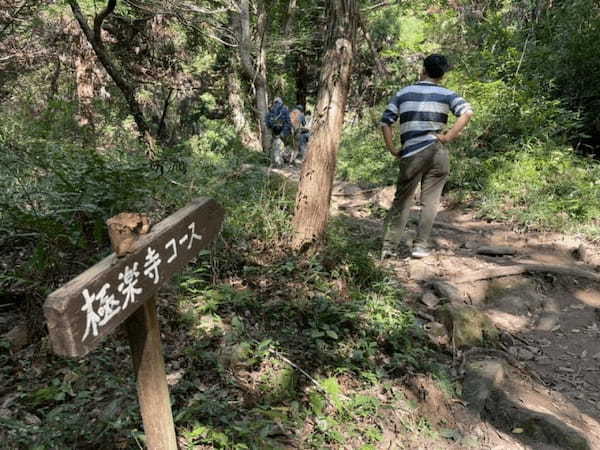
278, 119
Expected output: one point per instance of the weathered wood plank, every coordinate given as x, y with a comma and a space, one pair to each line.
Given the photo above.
153, 391
89, 307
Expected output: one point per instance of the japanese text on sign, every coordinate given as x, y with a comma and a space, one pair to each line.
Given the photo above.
102, 305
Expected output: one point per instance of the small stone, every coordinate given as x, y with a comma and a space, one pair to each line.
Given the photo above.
544, 342
430, 300
437, 333
446, 290
481, 378
467, 325
580, 252
31, 419
525, 355
18, 337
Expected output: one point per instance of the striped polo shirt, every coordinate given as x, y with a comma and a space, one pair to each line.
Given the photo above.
423, 111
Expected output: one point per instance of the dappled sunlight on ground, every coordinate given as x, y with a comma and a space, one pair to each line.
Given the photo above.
590, 296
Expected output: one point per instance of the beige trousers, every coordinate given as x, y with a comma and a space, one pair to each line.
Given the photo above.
430, 167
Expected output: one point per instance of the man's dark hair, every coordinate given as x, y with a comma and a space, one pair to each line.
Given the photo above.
436, 65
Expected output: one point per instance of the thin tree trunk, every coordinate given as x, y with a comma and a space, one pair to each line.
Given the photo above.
262, 101
301, 80
258, 74
95, 39
378, 64
316, 180
161, 133
291, 15
237, 106
84, 77
53, 91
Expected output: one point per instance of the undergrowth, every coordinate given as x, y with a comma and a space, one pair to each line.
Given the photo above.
263, 348
513, 161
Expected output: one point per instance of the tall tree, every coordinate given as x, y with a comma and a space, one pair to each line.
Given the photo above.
316, 179
94, 36
235, 97
253, 58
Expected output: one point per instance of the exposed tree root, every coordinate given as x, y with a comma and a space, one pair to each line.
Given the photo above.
518, 269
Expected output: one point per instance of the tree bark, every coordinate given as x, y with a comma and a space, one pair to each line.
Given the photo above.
162, 132
302, 77
291, 15
84, 78
316, 179
255, 70
95, 39
237, 106
53, 91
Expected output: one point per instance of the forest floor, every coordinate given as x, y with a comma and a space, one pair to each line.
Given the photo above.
518, 311
276, 352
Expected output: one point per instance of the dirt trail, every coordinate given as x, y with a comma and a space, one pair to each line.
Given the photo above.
538, 384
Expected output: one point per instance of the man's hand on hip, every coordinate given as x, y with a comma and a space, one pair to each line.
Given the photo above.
443, 138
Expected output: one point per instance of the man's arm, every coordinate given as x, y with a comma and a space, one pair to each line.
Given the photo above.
388, 138
456, 129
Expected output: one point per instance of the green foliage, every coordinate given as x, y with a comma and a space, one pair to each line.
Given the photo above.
55, 195
515, 158
543, 185
363, 157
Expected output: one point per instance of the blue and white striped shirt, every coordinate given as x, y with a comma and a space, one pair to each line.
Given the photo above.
423, 111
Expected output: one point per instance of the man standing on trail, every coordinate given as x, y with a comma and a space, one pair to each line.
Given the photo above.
423, 112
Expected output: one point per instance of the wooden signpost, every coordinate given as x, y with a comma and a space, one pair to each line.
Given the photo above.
84, 311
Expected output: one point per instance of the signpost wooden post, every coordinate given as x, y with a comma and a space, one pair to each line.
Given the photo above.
84, 311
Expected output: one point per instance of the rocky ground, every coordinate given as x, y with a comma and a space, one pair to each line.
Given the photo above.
520, 313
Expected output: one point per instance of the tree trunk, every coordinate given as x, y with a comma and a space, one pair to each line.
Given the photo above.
237, 106
289, 21
94, 37
381, 70
53, 90
257, 74
302, 77
84, 78
316, 180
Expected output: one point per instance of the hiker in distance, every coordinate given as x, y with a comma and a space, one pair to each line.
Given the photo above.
279, 122
422, 109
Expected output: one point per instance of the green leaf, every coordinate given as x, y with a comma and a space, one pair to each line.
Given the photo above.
332, 334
